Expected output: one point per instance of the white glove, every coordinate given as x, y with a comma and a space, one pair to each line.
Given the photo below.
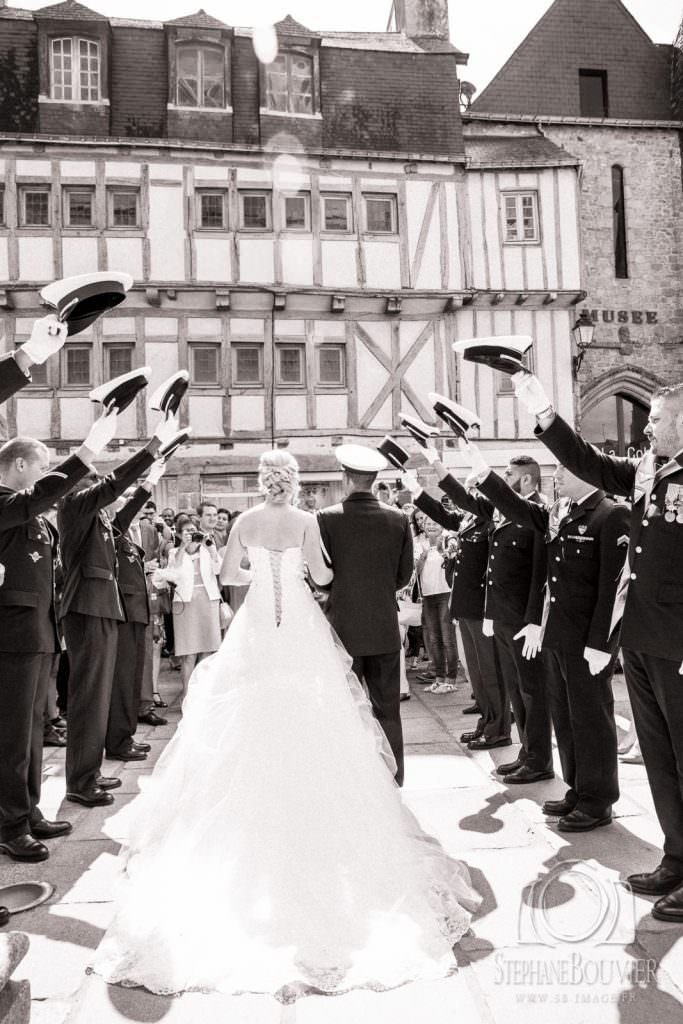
431, 455
47, 337
102, 432
680, 671
2, 574
480, 466
166, 429
533, 638
530, 393
410, 482
156, 472
487, 627
597, 660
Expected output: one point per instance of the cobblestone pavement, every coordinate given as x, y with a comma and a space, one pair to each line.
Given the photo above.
556, 936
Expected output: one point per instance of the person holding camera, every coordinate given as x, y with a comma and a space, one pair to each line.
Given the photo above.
193, 565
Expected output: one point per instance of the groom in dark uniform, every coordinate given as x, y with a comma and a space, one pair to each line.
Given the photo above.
370, 548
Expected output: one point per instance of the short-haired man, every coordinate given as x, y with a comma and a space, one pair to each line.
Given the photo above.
28, 630
649, 604
513, 610
370, 548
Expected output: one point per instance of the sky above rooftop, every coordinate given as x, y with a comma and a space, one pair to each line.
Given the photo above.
489, 30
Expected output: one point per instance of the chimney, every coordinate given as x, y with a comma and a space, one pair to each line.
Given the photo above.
422, 18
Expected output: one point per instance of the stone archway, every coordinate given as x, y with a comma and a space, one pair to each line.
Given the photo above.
630, 381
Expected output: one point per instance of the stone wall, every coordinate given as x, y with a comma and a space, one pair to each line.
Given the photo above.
639, 319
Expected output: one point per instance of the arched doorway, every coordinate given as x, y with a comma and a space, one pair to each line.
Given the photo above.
616, 425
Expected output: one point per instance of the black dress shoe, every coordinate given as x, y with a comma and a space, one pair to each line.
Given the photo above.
473, 709
108, 782
94, 797
151, 718
558, 808
54, 738
468, 737
579, 821
405, 696
125, 755
509, 766
489, 742
25, 848
525, 774
659, 882
45, 829
144, 748
670, 907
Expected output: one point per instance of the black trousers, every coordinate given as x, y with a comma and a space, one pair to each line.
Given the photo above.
526, 686
486, 678
126, 687
91, 643
63, 683
655, 688
382, 676
24, 679
582, 710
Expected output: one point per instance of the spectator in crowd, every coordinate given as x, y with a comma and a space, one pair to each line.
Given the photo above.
220, 532
193, 566
437, 621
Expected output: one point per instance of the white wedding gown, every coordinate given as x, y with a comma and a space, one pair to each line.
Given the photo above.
270, 851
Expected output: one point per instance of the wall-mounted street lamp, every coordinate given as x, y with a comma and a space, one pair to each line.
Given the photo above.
582, 332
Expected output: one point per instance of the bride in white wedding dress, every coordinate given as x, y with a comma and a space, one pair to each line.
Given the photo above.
270, 851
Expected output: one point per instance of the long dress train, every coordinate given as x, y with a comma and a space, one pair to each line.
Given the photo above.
270, 851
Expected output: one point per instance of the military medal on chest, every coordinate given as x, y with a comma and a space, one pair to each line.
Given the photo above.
673, 503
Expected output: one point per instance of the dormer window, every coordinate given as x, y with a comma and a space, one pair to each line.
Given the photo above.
200, 76
75, 70
289, 84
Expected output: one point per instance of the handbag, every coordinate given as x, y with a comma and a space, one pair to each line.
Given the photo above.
225, 614
409, 613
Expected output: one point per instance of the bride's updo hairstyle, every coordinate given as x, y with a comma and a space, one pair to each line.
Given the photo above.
278, 477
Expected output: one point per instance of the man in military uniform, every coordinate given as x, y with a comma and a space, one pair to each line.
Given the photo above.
467, 608
649, 604
513, 607
586, 534
130, 650
91, 608
370, 548
28, 633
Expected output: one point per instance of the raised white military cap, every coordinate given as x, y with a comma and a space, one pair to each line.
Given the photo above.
504, 352
459, 418
359, 458
80, 301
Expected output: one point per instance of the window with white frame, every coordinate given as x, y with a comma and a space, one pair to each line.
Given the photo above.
205, 363
290, 365
255, 211
34, 206
123, 207
200, 76
211, 209
118, 359
521, 216
380, 214
247, 364
297, 212
331, 365
79, 207
336, 212
75, 70
289, 84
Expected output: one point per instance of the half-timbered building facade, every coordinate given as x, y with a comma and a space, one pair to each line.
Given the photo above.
308, 234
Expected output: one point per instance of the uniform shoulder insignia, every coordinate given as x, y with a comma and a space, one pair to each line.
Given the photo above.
622, 542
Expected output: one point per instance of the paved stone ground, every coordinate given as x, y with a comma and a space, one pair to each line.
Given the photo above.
556, 936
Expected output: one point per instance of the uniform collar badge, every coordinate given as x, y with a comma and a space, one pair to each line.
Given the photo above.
582, 528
